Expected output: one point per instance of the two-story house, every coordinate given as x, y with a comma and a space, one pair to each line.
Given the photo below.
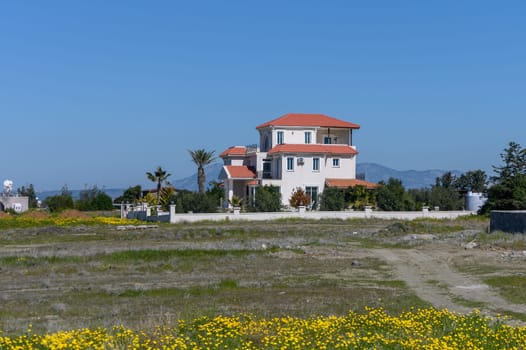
310, 151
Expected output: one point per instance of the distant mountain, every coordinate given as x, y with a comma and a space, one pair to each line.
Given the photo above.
190, 182
373, 172
112, 192
410, 178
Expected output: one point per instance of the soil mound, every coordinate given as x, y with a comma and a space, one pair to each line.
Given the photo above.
73, 214
35, 214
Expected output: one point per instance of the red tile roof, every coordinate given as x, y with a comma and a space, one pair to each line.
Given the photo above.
239, 172
312, 148
234, 151
345, 183
302, 119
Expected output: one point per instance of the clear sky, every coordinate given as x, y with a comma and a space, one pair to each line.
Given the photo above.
99, 92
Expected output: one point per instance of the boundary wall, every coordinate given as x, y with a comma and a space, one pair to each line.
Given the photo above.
145, 214
318, 215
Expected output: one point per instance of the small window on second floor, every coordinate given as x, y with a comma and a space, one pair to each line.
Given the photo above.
327, 140
281, 138
315, 164
290, 163
307, 137
335, 162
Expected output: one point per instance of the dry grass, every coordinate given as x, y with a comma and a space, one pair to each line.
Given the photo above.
67, 277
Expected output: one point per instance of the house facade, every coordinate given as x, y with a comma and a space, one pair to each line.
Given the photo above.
310, 151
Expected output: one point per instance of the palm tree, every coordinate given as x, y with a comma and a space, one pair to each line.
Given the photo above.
158, 176
201, 158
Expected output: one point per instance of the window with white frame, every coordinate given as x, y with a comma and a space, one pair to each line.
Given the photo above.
290, 163
281, 137
315, 164
336, 162
308, 137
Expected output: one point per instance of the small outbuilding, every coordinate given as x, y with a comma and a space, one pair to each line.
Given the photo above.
513, 221
19, 204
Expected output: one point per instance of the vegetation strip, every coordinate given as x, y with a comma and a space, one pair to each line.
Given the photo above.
417, 329
129, 255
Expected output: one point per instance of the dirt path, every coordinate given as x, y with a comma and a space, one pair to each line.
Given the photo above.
429, 273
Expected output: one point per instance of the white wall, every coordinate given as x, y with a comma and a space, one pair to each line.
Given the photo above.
318, 215
290, 136
304, 176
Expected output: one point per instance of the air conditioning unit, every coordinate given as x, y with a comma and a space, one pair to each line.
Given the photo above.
300, 161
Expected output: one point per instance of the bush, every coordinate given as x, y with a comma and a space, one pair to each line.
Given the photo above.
94, 199
391, 196
59, 202
299, 198
267, 199
131, 195
195, 202
332, 199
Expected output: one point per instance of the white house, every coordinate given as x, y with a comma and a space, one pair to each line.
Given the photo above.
310, 151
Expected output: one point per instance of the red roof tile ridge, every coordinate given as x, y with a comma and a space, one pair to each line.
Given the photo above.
308, 119
234, 150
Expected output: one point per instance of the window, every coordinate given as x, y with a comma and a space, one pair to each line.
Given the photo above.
267, 169
290, 163
280, 138
307, 137
315, 164
336, 163
327, 140
313, 194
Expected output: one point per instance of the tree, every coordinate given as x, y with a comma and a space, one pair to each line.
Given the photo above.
444, 194
201, 158
167, 194
514, 158
299, 198
29, 192
509, 189
130, 195
267, 199
93, 199
332, 199
419, 196
391, 196
473, 180
216, 192
159, 176
59, 202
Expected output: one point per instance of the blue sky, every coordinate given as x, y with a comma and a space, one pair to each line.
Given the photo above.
99, 92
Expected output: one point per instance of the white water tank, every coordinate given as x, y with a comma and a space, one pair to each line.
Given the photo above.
475, 200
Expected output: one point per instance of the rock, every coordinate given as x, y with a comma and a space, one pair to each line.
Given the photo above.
356, 263
470, 245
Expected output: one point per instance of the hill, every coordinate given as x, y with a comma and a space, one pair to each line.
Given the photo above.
410, 178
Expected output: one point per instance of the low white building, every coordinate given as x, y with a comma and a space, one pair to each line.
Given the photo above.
19, 204
310, 151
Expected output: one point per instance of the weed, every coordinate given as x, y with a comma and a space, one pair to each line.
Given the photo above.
510, 287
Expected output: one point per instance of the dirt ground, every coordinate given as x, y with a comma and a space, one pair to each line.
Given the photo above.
61, 278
